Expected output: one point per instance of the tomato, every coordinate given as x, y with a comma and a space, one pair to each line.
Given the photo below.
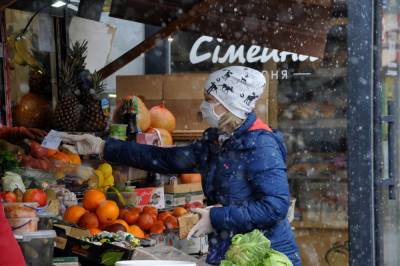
9, 196
35, 195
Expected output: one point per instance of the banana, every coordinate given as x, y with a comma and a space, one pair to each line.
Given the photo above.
18, 60
21, 48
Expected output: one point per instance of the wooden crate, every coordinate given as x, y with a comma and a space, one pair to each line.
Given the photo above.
182, 95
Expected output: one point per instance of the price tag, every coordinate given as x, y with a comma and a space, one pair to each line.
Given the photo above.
52, 140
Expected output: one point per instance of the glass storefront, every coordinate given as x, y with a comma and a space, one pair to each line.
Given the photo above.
313, 101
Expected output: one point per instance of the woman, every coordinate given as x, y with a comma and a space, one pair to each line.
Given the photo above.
241, 159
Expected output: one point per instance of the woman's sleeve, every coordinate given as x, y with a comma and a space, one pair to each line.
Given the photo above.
151, 158
271, 202
10, 252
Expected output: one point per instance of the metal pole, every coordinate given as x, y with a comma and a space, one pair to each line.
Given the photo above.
360, 133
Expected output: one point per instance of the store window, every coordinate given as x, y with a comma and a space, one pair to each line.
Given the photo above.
307, 101
305, 98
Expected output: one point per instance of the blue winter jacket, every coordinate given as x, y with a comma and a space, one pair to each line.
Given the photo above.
246, 174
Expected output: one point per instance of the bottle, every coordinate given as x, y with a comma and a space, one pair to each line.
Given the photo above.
132, 129
130, 111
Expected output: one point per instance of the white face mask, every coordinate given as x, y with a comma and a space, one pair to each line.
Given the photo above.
208, 112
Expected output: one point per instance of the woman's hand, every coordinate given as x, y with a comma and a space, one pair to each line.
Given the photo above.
85, 144
203, 226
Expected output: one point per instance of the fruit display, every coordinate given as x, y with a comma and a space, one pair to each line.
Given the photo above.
98, 213
161, 117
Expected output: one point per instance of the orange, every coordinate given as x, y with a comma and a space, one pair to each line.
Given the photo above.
74, 213
61, 156
136, 231
190, 178
51, 152
107, 212
74, 158
92, 199
94, 231
179, 211
89, 220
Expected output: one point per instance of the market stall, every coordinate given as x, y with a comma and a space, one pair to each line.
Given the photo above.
96, 212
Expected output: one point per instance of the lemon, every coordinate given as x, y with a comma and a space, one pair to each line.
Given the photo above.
97, 179
108, 181
106, 169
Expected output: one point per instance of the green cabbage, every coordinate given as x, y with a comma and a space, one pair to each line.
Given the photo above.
275, 258
253, 249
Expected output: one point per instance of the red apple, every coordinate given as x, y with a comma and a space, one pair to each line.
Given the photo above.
35, 195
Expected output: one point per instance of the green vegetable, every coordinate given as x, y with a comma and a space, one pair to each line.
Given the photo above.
253, 249
109, 258
275, 258
248, 249
8, 161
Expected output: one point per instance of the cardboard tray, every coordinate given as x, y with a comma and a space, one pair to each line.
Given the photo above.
68, 243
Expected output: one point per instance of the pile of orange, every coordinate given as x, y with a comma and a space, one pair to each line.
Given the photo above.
98, 213
149, 221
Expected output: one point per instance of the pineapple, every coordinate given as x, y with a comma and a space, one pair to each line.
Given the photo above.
93, 118
67, 112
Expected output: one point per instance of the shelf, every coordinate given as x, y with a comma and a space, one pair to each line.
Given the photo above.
313, 123
305, 178
317, 225
182, 135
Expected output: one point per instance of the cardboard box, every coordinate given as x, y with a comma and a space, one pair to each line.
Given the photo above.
148, 138
174, 187
182, 94
69, 243
175, 200
153, 196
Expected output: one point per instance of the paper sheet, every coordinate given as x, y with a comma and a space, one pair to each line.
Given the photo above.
99, 37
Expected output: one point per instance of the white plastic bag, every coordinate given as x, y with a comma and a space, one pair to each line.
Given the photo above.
12, 181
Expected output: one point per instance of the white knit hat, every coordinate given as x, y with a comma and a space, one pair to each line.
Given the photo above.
237, 88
